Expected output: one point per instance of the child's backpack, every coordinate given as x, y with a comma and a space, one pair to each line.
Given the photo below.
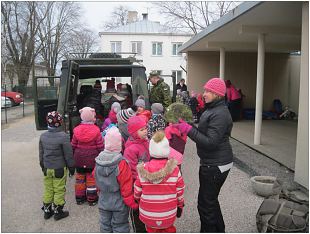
283, 213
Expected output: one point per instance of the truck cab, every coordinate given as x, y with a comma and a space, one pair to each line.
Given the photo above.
67, 93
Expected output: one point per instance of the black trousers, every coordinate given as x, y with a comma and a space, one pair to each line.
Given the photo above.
211, 180
137, 224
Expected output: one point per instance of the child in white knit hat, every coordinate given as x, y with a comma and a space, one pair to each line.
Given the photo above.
160, 183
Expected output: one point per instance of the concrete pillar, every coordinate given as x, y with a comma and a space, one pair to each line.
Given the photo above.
222, 63
302, 146
259, 88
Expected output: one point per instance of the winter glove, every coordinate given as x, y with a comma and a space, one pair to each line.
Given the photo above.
183, 127
179, 212
71, 171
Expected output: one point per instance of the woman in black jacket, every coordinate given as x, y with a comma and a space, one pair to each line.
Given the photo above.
215, 153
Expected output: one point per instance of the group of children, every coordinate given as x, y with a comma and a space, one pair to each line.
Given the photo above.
131, 166
194, 101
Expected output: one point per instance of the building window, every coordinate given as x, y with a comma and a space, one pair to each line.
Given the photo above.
178, 75
175, 47
157, 48
116, 46
136, 47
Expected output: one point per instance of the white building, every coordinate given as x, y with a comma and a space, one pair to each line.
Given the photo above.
152, 42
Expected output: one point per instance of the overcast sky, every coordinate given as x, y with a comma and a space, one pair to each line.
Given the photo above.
97, 12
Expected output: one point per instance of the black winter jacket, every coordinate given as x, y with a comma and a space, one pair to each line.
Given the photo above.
212, 135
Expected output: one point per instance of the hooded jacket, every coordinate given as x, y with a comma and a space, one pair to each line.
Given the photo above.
55, 150
136, 151
159, 189
86, 143
114, 180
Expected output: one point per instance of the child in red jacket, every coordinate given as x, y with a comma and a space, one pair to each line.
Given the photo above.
136, 150
159, 187
86, 143
141, 111
114, 180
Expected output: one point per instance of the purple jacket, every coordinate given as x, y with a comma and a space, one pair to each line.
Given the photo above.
86, 143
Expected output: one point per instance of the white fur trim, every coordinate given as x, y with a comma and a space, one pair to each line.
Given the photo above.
160, 149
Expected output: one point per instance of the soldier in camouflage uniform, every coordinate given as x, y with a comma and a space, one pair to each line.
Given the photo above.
160, 92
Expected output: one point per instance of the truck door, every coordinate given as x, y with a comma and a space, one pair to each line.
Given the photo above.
45, 93
67, 94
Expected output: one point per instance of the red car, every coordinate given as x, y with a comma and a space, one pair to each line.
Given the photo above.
16, 98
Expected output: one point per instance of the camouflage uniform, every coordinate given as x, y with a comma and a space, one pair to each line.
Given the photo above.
160, 93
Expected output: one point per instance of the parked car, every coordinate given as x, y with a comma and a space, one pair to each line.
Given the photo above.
5, 102
15, 97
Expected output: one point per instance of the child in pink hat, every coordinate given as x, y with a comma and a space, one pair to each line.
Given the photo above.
86, 143
136, 150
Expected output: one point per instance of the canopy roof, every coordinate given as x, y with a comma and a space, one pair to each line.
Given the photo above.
238, 29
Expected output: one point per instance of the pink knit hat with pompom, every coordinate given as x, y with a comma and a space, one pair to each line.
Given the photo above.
217, 86
88, 114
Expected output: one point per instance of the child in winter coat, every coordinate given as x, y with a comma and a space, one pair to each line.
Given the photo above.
87, 143
161, 179
122, 119
136, 150
55, 154
115, 108
114, 180
141, 111
157, 122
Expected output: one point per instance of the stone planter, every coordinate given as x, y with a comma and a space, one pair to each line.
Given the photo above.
264, 185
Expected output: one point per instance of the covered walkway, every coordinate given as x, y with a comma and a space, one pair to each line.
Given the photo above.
278, 142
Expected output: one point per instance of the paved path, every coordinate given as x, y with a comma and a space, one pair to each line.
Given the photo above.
22, 190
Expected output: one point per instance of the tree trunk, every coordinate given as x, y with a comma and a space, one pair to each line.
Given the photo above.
23, 73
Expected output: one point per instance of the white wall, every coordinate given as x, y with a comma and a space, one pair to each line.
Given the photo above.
166, 63
302, 148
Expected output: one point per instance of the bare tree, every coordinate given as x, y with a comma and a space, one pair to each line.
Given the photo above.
119, 17
21, 22
62, 18
192, 16
82, 43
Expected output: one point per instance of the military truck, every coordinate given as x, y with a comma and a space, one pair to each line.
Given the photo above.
63, 93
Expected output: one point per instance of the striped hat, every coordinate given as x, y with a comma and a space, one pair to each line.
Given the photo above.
123, 115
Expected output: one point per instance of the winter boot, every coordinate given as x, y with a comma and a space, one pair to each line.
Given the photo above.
59, 213
48, 210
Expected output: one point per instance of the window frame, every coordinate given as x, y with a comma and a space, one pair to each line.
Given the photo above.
157, 43
136, 47
176, 45
177, 78
115, 46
